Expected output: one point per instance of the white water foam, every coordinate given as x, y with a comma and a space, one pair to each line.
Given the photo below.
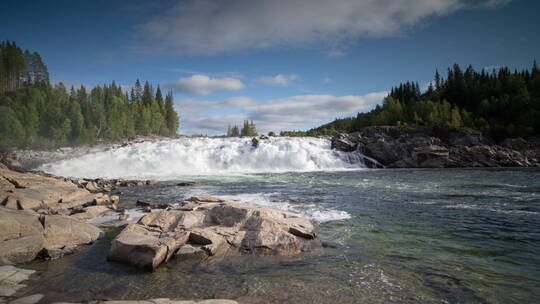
312, 211
207, 156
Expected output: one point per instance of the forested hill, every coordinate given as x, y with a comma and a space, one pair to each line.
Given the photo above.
501, 104
36, 114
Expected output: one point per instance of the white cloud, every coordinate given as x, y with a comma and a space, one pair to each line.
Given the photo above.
216, 26
290, 113
279, 79
327, 80
204, 85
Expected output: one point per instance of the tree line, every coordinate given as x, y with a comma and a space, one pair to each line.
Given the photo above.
501, 104
248, 129
36, 114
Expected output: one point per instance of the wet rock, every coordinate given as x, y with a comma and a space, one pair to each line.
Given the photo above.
209, 228
187, 184
11, 278
151, 182
342, 142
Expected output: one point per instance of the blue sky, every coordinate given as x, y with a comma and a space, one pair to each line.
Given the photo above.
285, 64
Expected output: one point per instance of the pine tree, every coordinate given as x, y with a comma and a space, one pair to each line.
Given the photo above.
171, 117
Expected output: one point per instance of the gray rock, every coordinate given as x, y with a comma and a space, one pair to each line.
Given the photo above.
415, 148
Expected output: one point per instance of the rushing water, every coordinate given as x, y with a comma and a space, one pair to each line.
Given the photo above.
395, 236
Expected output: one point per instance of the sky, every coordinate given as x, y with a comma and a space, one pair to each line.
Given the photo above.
285, 64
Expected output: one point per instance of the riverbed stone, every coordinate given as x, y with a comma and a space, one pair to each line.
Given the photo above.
211, 227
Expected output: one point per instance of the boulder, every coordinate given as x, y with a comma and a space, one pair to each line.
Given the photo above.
206, 227
20, 250
145, 247
21, 236
61, 231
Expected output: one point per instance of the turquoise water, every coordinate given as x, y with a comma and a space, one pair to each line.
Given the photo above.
394, 236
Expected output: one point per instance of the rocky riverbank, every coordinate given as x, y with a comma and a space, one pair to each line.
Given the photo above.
394, 147
46, 217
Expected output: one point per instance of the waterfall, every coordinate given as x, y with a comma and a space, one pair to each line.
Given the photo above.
208, 156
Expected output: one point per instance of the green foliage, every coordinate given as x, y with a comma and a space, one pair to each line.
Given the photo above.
35, 114
500, 104
248, 129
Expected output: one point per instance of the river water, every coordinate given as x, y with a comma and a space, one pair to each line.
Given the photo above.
391, 235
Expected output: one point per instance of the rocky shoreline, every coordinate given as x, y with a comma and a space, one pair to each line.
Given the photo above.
46, 217
394, 147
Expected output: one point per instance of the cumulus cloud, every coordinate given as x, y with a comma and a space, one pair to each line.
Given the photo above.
204, 85
290, 113
216, 26
279, 79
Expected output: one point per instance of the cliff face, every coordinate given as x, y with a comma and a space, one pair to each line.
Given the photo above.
393, 147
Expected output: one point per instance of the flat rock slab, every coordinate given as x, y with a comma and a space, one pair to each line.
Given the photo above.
207, 227
10, 279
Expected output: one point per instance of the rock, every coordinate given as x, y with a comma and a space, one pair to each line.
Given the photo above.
518, 143
145, 248
189, 252
210, 228
115, 201
90, 213
10, 279
471, 138
61, 231
21, 236
11, 160
34, 191
432, 156
341, 142
187, 184
151, 182
397, 147
15, 224
20, 250
91, 186
57, 251
28, 299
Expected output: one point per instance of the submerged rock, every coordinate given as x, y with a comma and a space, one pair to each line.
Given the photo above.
207, 227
